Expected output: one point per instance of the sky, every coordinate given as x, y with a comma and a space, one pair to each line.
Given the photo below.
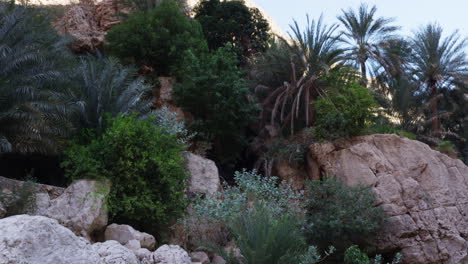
409, 14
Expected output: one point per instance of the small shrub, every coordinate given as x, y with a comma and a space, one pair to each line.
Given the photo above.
354, 255
448, 148
344, 112
340, 215
213, 90
157, 38
145, 166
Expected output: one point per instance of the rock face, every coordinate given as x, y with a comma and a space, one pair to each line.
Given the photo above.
296, 177
111, 252
204, 177
40, 240
125, 233
424, 193
200, 256
168, 254
81, 208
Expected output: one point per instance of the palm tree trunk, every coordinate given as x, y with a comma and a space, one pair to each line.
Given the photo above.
435, 122
363, 73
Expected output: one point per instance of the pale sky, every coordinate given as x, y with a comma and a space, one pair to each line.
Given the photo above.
409, 14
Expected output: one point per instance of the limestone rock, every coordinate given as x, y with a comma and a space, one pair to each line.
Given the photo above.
125, 233
3, 211
200, 256
142, 253
423, 191
296, 177
40, 240
112, 252
204, 177
168, 254
81, 207
109, 13
218, 260
133, 245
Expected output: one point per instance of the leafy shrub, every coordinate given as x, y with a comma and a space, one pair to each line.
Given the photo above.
233, 22
448, 148
354, 255
157, 38
170, 122
344, 112
213, 90
340, 215
145, 166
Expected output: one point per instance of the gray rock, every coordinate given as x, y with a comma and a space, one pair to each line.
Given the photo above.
204, 177
200, 256
168, 254
423, 191
218, 260
124, 233
133, 245
142, 253
112, 252
28, 239
3, 211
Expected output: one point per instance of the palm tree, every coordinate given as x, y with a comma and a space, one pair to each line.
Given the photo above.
33, 115
365, 35
103, 86
437, 63
307, 59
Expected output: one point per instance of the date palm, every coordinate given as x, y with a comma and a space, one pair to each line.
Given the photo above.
438, 62
33, 115
364, 35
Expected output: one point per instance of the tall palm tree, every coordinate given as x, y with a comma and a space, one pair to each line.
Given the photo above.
307, 59
438, 62
364, 35
33, 115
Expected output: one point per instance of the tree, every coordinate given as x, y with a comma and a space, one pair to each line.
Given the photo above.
157, 39
233, 22
437, 62
365, 35
311, 56
33, 110
213, 90
103, 86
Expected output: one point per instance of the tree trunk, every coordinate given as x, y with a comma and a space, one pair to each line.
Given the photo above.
435, 122
364, 74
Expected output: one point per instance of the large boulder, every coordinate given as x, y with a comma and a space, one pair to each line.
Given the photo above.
112, 252
81, 208
423, 192
125, 233
168, 254
204, 177
40, 240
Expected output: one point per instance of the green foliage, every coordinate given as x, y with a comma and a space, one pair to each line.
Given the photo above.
213, 90
388, 129
156, 39
251, 187
354, 255
343, 112
233, 22
448, 148
33, 117
340, 215
103, 86
147, 5
145, 165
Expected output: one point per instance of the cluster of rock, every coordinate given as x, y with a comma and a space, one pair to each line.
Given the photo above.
62, 228
423, 192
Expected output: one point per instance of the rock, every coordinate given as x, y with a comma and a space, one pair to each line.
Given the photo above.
200, 256
81, 208
133, 245
423, 192
3, 211
125, 233
168, 254
112, 252
295, 176
218, 260
142, 253
109, 13
40, 240
204, 177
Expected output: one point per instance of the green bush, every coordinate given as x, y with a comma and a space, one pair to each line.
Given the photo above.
233, 22
157, 38
354, 255
343, 112
447, 148
213, 90
145, 166
340, 215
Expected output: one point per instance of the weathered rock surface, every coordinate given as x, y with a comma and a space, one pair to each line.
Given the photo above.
424, 193
125, 233
28, 239
200, 256
81, 208
204, 177
168, 254
295, 176
112, 252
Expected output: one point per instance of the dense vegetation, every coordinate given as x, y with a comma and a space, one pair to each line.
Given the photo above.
251, 96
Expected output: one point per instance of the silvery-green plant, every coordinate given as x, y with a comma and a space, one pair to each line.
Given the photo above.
170, 122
